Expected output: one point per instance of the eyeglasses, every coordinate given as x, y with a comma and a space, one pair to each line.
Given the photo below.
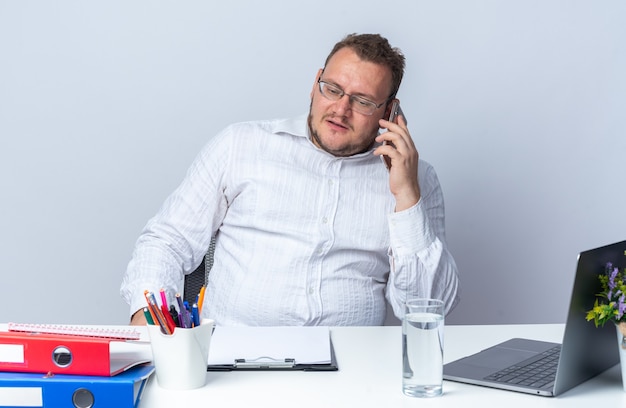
357, 103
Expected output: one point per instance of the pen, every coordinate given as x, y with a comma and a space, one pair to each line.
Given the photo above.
188, 315
182, 316
195, 315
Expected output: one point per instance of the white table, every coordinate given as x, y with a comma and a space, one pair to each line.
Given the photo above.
369, 375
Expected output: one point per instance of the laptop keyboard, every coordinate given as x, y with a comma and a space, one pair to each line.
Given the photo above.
535, 372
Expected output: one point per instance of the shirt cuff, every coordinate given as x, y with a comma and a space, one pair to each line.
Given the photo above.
409, 231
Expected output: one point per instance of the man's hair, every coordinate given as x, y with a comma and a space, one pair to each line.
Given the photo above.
375, 48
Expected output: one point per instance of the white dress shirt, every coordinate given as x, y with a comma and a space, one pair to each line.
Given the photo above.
302, 237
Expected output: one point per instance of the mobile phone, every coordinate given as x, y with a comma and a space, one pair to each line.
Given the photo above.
395, 110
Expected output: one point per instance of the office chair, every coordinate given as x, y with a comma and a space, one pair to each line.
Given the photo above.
198, 278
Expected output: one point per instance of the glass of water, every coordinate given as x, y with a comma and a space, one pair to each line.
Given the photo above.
422, 348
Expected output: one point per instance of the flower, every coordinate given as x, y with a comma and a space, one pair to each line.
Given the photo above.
613, 307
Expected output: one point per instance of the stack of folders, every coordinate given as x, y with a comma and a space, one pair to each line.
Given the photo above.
69, 366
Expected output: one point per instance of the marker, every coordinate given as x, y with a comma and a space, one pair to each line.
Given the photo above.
168, 319
174, 315
146, 312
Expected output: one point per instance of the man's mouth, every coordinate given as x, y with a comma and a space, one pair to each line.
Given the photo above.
334, 123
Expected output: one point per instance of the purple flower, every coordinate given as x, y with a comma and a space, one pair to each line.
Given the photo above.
612, 283
621, 307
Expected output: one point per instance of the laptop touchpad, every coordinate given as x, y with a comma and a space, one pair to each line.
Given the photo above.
497, 357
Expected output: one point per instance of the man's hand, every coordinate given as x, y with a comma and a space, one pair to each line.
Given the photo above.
138, 319
401, 151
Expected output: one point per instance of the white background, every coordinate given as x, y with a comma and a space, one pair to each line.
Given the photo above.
520, 105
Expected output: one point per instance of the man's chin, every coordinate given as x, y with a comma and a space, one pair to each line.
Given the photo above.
329, 140
338, 150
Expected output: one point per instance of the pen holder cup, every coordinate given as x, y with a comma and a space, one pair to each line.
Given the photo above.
181, 359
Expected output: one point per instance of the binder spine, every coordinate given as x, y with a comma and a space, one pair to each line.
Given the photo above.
52, 391
33, 353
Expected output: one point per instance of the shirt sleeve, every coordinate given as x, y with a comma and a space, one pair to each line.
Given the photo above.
174, 242
420, 263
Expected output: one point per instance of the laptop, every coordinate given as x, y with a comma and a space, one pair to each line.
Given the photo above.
585, 352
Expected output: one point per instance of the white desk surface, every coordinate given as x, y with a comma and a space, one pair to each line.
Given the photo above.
369, 375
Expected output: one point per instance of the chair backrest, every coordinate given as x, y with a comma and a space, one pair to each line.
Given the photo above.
198, 278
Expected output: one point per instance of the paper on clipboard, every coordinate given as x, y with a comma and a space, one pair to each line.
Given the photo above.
305, 345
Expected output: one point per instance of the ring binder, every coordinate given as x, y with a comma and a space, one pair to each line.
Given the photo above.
64, 390
265, 363
61, 354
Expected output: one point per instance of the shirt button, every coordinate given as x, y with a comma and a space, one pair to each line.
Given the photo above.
324, 220
310, 291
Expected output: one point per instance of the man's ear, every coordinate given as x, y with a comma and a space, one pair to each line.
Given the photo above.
317, 77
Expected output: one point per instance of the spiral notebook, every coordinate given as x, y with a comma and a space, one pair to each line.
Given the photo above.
74, 330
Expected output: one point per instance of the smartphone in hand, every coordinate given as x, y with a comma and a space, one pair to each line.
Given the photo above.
395, 110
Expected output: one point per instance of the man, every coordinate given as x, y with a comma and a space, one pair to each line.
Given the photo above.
310, 227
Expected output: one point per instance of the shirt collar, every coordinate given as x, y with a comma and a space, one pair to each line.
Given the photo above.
295, 126
298, 126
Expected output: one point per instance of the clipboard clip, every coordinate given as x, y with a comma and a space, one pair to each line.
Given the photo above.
265, 362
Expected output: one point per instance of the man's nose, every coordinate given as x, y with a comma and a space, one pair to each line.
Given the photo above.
344, 105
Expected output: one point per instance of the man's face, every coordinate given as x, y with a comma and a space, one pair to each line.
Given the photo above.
337, 128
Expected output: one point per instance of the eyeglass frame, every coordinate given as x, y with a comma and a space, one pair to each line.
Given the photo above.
351, 97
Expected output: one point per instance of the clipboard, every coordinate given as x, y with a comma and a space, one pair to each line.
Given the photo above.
271, 348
